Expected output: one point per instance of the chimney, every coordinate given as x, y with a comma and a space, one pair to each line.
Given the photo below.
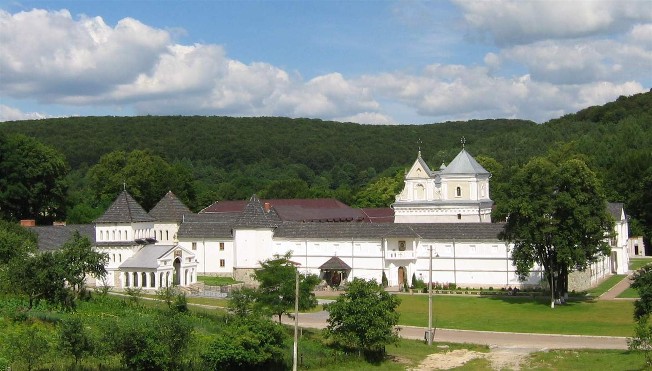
267, 206
28, 223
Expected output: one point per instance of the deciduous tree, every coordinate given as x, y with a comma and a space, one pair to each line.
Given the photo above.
364, 317
557, 218
32, 180
276, 290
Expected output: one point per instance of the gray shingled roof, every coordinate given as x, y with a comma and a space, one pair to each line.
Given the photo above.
335, 263
464, 163
364, 231
217, 225
169, 209
147, 257
255, 216
53, 237
615, 209
125, 210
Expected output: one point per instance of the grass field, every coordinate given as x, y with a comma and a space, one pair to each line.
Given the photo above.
629, 293
637, 263
216, 281
520, 314
606, 285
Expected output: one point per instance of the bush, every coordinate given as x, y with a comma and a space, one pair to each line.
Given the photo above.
252, 343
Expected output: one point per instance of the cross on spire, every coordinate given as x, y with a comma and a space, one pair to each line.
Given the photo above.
463, 141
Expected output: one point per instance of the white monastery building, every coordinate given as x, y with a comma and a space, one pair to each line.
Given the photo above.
441, 216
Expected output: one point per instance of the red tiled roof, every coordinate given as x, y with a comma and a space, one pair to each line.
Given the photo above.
304, 210
378, 214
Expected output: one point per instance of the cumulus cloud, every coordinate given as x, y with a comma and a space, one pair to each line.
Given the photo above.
510, 22
14, 114
52, 57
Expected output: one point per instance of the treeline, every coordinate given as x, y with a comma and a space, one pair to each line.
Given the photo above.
232, 158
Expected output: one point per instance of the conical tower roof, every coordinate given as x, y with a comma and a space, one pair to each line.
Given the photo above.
254, 215
124, 210
169, 209
464, 163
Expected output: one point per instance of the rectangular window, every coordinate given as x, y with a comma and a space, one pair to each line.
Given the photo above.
194, 245
221, 246
222, 263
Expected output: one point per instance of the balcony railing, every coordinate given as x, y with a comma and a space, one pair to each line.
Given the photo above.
400, 255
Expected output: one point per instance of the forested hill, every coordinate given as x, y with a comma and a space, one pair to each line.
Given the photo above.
228, 142
211, 158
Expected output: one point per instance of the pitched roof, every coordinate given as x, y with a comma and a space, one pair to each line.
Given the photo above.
147, 256
254, 215
207, 225
378, 214
335, 263
318, 209
616, 210
464, 163
124, 210
364, 231
169, 209
52, 237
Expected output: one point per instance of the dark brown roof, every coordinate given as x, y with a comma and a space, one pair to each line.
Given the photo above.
378, 214
335, 263
301, 210
53, 237
124, 210
169, 209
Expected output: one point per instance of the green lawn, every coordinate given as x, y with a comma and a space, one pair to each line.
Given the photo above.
637, 263
520, 314
216, 281
629, 293
586, 360
606, 285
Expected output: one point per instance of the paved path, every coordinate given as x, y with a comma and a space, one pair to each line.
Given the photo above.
617, 289
503, 339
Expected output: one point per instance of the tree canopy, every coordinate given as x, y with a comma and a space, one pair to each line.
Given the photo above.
557, 218
364, 317
32, 180
276, 291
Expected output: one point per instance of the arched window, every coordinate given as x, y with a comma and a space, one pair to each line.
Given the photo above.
135, 279
458, 192
160, 279
113, 233
119, 235
127, 274
185, 277
101, 236
167, 235
152, 278
144, 279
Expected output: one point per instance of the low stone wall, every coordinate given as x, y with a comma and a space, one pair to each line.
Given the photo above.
244, 275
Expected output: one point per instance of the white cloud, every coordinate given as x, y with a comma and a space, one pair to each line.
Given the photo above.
51, 57
516, 22
14, 114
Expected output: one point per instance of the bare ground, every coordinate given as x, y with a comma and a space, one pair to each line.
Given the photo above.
501, 358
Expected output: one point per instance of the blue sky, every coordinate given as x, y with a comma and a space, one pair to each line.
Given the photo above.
373, 62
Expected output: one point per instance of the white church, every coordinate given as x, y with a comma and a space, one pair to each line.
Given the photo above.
441, 217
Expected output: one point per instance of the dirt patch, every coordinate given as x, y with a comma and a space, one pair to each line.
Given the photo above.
500, 358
